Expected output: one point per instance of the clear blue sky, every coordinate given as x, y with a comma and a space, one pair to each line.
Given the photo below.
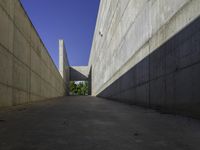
71, 20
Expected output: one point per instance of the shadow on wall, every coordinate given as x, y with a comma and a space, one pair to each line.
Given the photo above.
168, 79
76, 75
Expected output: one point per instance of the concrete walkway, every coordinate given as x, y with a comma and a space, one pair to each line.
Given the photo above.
88, 123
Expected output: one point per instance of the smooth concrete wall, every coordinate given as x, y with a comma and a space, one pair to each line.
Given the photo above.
127, 34
27, 72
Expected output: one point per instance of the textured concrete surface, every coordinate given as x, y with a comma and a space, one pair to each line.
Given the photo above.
129, 30
27, 72
147, 52
167, 79
89, 123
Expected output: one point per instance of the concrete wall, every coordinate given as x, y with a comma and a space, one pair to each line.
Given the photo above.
27, 72
129, 62
64, 67
79, 73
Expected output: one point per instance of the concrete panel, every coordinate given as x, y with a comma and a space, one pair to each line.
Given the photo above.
53, 82
187, 54
162, 11
171, 57
44, 71
157, 93
6, 30
129, 96
142, 94
35, 84
183, 86
170, 98
141, 28
21, 48
196, 83
6, 61
8, 6
22, 21
5, 95
34, 98
20, 97
157, 63
44, 89
35, 41
133, 82
21, 76
142, 71
131, 12
125, 82
35, 62
196, 50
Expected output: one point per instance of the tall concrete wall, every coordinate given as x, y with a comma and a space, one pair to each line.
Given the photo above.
147, 52
64, 67
27, 72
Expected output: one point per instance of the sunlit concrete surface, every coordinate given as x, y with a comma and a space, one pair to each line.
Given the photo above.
147, 52
27, 71
89, 123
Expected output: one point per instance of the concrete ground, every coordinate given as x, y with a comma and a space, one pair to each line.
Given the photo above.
89, 123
